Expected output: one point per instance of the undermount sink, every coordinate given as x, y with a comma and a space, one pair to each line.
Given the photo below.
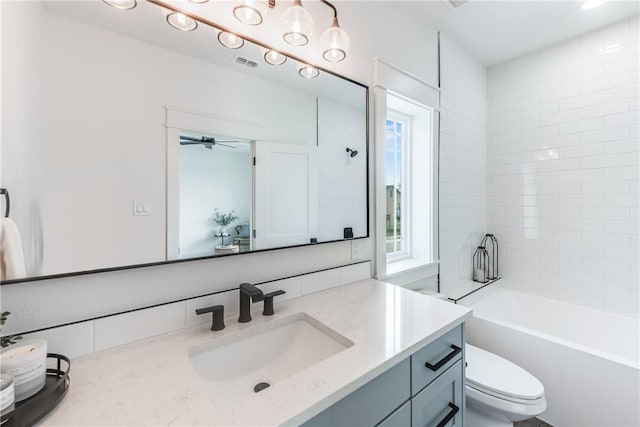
244, 363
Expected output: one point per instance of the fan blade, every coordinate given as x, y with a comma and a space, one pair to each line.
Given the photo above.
225, 145
189, 138
189, 143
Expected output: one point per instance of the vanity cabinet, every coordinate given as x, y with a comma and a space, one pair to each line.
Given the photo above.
425, 389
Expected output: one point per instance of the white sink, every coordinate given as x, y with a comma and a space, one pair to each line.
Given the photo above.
230, 367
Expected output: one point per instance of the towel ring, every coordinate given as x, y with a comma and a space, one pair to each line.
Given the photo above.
5, 192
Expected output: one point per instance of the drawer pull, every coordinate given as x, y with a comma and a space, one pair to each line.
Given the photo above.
452, 413
444, 361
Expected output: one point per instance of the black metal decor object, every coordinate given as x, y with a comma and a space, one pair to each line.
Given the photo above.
29, 411
491, 244
7, 200
481, 265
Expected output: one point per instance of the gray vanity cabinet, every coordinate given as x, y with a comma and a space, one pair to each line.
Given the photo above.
424, 390
443, 398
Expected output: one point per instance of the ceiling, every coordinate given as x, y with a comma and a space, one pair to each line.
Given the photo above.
495, 31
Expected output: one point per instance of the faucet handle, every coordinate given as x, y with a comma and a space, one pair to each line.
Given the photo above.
268, 302
217, 318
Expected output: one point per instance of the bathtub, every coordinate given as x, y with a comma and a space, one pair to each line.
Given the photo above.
588, 360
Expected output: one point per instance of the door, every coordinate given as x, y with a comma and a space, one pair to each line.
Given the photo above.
285, 194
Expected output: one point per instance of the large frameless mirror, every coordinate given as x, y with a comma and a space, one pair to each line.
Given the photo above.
128, 142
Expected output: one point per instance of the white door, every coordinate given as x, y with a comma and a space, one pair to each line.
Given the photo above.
285, 194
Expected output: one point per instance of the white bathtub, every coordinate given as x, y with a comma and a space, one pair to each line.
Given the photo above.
588, 360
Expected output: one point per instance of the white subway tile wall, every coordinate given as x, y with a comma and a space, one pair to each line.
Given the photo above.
94, 335
463, 163
563, 169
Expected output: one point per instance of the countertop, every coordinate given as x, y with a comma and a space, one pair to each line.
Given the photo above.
152, 382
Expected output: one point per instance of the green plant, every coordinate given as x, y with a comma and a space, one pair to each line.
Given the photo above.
224, 219
6, 341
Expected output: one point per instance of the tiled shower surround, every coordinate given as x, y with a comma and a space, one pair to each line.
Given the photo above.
563, 169
463, 164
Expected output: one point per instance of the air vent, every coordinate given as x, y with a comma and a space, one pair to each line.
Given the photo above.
244, 61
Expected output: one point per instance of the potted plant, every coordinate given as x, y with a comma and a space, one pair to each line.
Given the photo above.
9, 339
223, 220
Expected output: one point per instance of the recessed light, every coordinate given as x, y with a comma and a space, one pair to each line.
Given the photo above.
308, 72
121, 4
230, 40
592, 4
274, 57
181, 22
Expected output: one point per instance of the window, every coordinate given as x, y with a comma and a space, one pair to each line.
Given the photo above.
397, 171
408, 184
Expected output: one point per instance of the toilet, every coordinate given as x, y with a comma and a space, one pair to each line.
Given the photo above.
498, 391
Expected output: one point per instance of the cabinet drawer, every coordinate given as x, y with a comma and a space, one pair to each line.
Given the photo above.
441, 403
440, 355
401, 417
371, 403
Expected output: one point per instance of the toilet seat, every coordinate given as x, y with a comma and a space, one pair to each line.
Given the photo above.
491, 374
513, 411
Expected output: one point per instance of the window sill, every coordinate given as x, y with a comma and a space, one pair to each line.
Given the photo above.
408, 264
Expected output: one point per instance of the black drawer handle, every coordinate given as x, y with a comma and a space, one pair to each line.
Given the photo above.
444, 361
452, 413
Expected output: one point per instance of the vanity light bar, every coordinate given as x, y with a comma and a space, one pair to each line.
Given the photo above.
185, 21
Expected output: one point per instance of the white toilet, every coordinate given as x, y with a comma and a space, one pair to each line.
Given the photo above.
499, 392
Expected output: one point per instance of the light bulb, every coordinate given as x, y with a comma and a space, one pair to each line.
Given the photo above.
335, 42
230, 40
121, 4
181, 22
308, 72
297, 25
274, 57
249, 12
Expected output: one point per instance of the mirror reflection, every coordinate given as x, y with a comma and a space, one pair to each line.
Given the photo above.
126, 141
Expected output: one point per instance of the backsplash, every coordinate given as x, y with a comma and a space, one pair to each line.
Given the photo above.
563, 169
83, 338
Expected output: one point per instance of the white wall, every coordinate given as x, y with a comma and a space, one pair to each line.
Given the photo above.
563, 169
463, 165
40, 304
209, 179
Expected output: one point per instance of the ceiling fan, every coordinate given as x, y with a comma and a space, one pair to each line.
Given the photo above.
207, 141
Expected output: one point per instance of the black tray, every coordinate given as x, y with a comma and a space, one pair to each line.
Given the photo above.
29, 411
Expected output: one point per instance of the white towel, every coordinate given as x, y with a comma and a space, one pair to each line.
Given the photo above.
11, 254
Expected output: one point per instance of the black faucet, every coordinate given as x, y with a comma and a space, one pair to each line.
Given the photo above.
217, 318
268, 302
248, 294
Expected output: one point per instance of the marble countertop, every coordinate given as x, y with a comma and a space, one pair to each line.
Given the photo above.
152, 382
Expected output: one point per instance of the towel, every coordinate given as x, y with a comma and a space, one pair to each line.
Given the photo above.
11, 254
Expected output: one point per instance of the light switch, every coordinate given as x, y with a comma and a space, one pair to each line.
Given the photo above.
142, 208
356, 249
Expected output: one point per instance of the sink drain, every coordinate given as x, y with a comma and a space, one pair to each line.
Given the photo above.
261, 386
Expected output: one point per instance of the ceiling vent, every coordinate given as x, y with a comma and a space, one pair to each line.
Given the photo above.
458, 3
244, 61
